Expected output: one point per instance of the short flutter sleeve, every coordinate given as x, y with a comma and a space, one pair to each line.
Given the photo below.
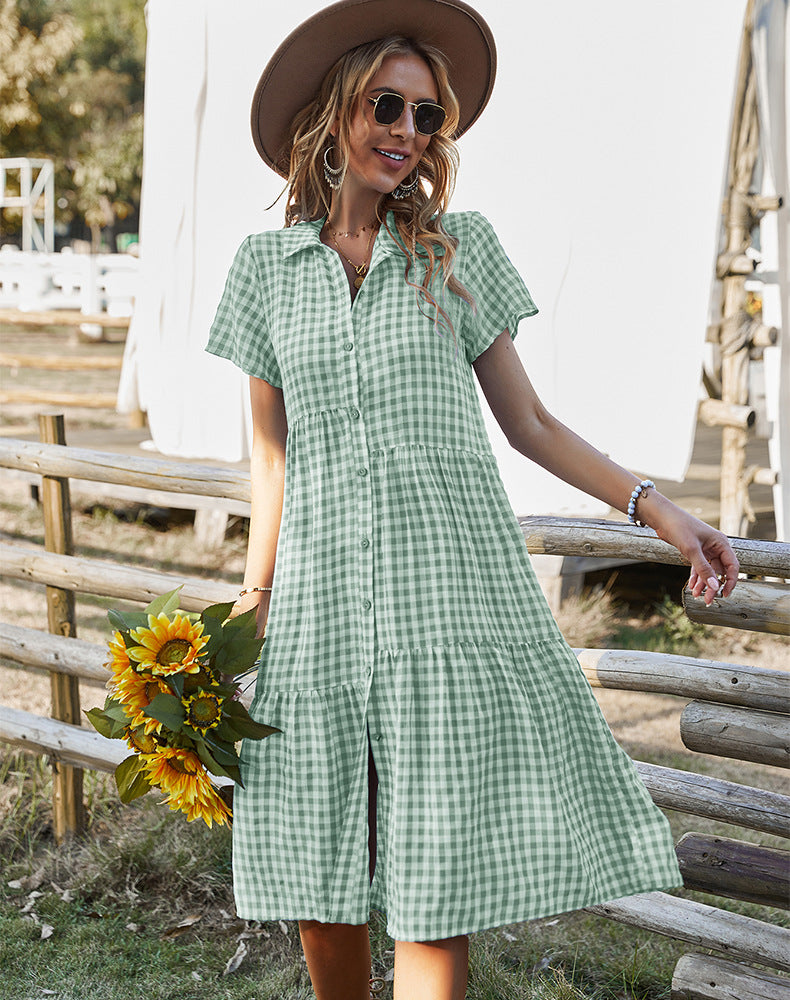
240, 331
501, 297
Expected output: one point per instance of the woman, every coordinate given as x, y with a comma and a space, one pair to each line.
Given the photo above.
427, 700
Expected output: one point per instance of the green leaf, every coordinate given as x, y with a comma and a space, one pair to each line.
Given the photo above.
166, 604
217, 612
235, 773
125, 620
225, 755
118, 731
227, 731
131, 779
208, 760
101, 723
114, 710
167, 709
237, 652
252, 730
176, 683
245, 622
219, 634
244, 724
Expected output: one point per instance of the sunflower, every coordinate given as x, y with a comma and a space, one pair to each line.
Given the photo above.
136, 692
119, 658
204, 710
140, 741
182, 776
168, 647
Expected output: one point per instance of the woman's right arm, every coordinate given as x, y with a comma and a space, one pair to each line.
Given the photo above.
267, 480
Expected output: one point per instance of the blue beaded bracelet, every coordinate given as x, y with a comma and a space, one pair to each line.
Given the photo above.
634, 497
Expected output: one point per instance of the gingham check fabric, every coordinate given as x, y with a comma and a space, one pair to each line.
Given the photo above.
405, 609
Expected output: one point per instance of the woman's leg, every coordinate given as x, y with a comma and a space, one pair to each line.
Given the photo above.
432, 970
338, 955
338, 959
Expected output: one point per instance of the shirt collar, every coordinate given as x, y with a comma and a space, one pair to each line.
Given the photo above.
307, 234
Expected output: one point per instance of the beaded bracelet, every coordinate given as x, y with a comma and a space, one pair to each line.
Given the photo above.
634, 497
251, 590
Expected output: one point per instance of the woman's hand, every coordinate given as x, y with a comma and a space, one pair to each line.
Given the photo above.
256, 599
708, 550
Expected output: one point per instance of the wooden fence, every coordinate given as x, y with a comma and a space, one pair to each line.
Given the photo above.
733, 711
58, 362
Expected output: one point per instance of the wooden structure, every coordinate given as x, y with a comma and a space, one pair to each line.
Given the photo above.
734, 711
36, 198
739, 336
58, 362
62, 317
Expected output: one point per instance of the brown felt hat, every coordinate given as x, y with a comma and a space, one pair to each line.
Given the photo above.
294, 73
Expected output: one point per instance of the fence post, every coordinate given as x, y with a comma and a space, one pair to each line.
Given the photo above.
67, 806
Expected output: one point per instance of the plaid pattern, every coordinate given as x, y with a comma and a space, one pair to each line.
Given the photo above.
405, 616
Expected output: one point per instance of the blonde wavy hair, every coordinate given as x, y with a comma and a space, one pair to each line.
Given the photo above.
418, 218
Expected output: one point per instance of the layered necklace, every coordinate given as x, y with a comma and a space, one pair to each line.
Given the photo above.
360, 269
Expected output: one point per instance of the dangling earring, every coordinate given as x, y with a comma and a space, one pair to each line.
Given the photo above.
405, 190
333, 175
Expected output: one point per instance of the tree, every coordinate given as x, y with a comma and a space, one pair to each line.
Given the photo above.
74, 78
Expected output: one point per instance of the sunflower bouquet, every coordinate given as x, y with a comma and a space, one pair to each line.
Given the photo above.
174, 694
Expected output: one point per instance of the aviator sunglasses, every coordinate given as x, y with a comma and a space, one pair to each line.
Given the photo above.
428, 117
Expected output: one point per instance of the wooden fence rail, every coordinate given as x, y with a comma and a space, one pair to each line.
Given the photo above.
108, 467
683, 791
95, 576
543, 535
733, 710
564, 536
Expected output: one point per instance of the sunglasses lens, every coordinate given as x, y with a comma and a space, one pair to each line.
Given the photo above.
429, 118
389, 108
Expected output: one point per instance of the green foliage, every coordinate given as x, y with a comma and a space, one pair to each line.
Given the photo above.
131, 779
165, 604
72, 89
166, 708
669, 631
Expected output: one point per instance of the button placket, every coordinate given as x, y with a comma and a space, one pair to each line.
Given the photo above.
364, 527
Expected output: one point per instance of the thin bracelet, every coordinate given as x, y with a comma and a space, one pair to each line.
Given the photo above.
251, 590
644, 485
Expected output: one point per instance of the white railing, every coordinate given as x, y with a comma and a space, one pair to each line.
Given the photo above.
91, 283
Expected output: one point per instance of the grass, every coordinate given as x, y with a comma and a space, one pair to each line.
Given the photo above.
115, 897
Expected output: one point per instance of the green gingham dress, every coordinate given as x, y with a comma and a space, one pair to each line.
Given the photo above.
406, 619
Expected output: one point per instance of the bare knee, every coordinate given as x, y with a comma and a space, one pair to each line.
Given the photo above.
457, 943
319, 927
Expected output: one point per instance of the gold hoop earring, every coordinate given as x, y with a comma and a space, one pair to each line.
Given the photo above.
406, 190
333, 175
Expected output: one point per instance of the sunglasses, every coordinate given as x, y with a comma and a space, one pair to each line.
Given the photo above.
428, 117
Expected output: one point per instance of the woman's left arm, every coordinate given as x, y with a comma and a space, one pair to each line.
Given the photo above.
534, 432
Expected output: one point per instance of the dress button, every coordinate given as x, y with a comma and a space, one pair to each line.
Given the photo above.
377, 737
366, 604
354, 412
365, 542
348, 346
362, 472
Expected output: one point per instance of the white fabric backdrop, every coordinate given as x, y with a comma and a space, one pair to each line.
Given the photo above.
770, 48
598, 161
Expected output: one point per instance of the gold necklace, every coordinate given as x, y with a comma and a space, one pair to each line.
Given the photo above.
361, 269
355, 234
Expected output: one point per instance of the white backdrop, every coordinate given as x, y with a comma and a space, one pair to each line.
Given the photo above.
598, 160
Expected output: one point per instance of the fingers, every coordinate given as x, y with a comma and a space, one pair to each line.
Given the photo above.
731, 570
717, 577
703, 579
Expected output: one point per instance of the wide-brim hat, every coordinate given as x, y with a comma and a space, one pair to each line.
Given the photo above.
295, 72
